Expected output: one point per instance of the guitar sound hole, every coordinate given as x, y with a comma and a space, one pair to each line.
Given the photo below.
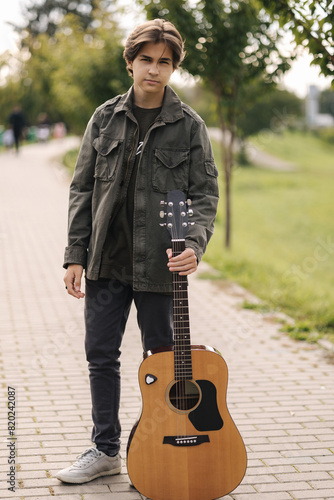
184, 395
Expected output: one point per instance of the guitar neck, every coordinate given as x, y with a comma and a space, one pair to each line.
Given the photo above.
182, 344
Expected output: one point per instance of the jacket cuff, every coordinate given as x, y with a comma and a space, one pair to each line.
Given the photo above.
75, 255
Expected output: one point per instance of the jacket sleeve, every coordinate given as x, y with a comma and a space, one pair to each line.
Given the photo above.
203, 190
80, 199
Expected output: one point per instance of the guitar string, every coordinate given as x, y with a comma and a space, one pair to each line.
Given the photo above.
180, 362
181, 349
176, 333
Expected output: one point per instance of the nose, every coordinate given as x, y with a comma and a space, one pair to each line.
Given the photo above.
153, 69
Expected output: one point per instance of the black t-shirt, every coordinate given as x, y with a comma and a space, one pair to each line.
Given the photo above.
117, 253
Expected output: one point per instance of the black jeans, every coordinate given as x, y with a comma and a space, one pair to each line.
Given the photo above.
107, 308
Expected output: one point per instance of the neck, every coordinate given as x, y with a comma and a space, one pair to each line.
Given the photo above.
182, 344
148, 101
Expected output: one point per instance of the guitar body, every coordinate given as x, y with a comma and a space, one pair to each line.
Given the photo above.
190, 450
185, 445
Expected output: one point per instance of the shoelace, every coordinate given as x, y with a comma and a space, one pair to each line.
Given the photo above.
86, 457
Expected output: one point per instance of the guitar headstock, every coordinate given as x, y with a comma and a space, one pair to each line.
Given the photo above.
177, 214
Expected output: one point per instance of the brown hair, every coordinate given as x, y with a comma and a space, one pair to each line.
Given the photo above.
155, 31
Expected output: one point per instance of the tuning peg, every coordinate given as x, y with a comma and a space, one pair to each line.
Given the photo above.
190, 212
162, 214
189, 202
162, 203
162, 224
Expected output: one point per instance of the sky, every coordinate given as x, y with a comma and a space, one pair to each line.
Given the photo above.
297, 80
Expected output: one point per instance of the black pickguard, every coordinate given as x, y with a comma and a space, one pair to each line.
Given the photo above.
206, 416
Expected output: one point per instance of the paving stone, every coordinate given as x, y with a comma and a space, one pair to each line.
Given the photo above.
317, 494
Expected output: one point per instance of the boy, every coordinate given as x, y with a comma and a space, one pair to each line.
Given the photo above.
136, 148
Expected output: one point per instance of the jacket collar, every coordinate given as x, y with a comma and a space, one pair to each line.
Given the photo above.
171, 106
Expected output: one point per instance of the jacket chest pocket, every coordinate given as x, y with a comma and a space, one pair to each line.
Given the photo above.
108, 157
170, 169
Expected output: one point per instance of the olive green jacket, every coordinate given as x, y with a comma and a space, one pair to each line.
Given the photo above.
176, 154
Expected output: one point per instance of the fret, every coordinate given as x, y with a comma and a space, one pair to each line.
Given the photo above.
182, 345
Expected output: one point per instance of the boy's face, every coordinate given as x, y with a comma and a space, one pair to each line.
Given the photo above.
152, 69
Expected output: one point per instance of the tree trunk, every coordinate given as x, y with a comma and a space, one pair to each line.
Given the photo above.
227, 178
227, 145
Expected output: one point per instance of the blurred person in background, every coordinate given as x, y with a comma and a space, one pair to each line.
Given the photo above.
17, 122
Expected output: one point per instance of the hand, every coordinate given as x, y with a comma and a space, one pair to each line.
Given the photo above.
72, 280
184, 264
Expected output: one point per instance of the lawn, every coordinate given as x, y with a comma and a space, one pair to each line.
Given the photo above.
283, 231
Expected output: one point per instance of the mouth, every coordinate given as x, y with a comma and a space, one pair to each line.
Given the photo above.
151, 81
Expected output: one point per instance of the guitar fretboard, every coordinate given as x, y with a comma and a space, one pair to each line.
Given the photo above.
182, 344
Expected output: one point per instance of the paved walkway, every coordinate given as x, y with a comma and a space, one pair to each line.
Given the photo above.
280, 391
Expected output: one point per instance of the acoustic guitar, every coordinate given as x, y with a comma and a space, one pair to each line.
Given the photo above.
185, 445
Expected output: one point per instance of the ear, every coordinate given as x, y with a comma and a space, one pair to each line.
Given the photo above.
130, 65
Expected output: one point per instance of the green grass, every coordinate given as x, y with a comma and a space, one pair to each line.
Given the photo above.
70, 158
283, 232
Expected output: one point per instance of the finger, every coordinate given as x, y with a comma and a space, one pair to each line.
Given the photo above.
183, 259
188, 253
76, 287
77, 283
73, 285
186, 266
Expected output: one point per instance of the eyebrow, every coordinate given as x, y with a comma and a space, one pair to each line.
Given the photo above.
160, 59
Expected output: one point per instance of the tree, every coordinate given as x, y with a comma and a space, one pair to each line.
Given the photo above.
326, 102
88, 69
230, 45
69, 74
312, 23
277, 110
45, 16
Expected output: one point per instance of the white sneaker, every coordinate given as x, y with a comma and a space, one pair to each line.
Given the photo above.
91, 464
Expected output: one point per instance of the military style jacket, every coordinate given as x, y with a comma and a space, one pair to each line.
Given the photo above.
176, 154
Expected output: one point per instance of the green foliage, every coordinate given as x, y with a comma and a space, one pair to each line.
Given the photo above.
276, 110
202, 100
230, 46
256, 306
68, 75
89, 69
302, 330
326, 134
45, 16
326, 101
69, 160
312, 23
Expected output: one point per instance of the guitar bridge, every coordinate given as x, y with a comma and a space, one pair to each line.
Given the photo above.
186, 440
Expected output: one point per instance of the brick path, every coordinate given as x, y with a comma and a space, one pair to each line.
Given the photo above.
280, 391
